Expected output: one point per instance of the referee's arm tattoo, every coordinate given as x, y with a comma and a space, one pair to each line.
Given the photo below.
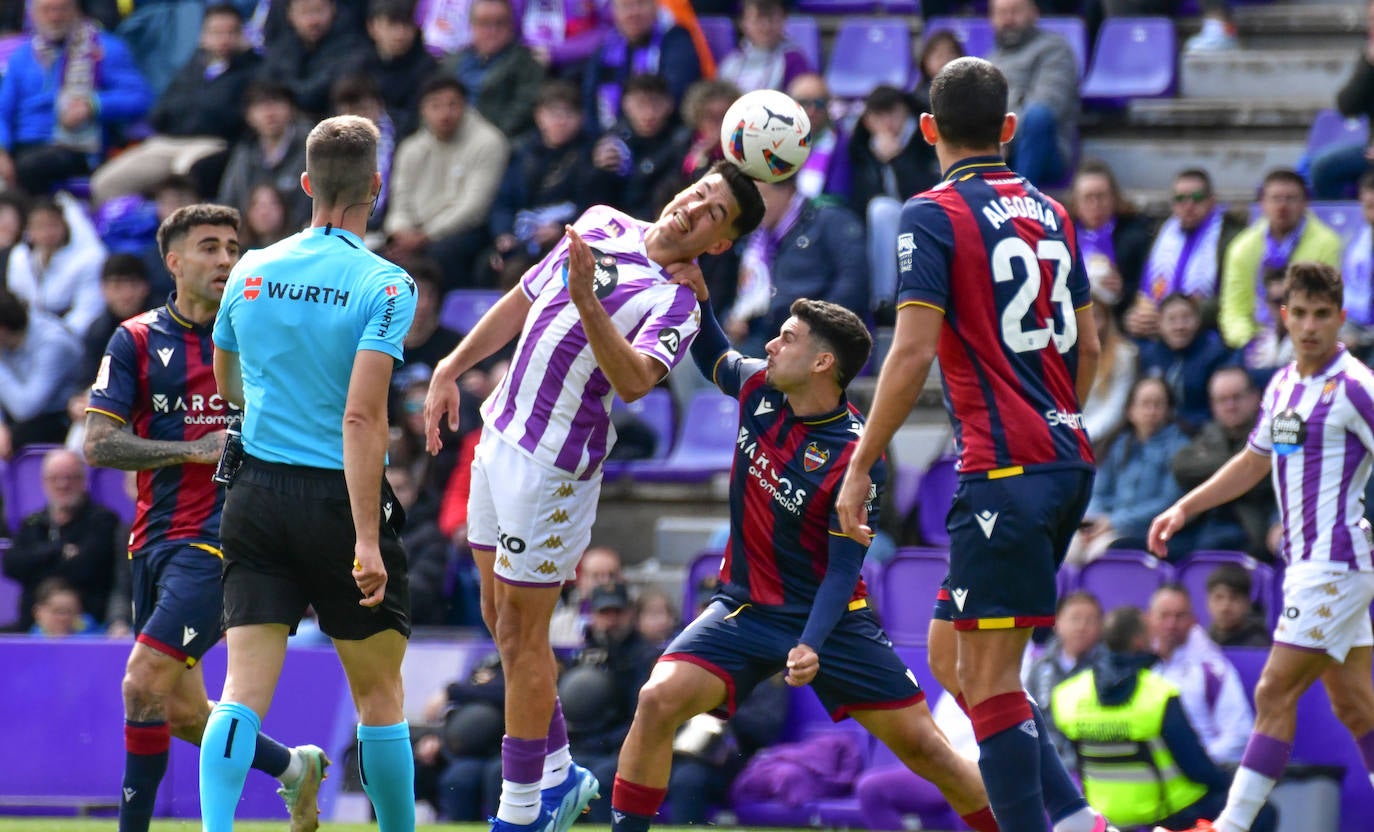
112, 445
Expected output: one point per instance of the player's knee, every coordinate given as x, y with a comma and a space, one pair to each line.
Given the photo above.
1275, 696
187, 719
145, 678
662, 706
1353, 708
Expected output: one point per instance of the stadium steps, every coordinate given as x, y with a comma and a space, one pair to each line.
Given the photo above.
1261, 74
1236, 164
1213, 113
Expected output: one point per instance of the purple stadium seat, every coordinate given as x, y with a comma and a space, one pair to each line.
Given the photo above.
1346, 218
656, 411
1075, 33
914, 577
24, 489
107, 489
1135, 58
706, 565
463, 308
10, 592
1331, 128
905, 483
934, 498
1124, 576
1194, 571
719, 32
1066, 580
804, 32
975, 33
869, 52
706, 446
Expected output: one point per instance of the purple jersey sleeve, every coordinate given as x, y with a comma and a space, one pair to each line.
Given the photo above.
116, 382
925, 252
672, 325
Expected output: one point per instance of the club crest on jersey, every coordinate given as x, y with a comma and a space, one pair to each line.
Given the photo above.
814, 457
606, 275
252, 287
1328, 391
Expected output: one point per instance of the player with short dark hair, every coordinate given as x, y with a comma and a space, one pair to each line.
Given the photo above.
991, 281
305, 342
597, 316
1315, 437
791, 596
154, 409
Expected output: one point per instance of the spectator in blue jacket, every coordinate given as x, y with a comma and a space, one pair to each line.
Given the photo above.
1185, 356
63, 92
641, 43
1133, 482
804, 248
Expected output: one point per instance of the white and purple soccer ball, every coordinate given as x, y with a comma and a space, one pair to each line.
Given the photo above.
766, 134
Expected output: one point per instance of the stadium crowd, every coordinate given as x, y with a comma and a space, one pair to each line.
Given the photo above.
500, 122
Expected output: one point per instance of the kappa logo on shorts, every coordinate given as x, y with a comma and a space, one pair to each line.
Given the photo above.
547, 568
1316, 634
986, 520
188, 635
559, 516
553, 541
564, 490
1323, 611
1330, 589
959, 596
503, 561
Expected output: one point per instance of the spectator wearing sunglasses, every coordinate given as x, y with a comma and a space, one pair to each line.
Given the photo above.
1187, 254
827, 168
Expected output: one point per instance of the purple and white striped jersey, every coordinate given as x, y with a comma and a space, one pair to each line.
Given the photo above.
1320, 433
554, 402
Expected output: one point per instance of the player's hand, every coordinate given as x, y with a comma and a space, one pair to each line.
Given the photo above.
689, 275
369, 574
441, 400
581, 268
1162, 528
206, 450
852, 506
802, 665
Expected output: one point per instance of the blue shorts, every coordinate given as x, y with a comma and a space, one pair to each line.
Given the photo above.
1007, 538
744, 645
177, 600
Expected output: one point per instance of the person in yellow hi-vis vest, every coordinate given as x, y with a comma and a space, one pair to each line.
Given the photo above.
1140, 760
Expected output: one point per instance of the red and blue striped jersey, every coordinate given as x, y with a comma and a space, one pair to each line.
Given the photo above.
786, 478
157, 375
1001, 261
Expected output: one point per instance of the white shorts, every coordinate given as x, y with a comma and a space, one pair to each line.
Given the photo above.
1325, 609
537, 519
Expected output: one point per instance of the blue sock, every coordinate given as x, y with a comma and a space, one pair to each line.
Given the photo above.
386, 765
145, 762
226, 754
270, 756
1009, 759
1062, 797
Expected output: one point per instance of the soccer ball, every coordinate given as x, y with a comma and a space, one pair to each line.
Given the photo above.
766, 134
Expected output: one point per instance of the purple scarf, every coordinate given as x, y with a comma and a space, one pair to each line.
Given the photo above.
1098, 241
1276, 255
616, 54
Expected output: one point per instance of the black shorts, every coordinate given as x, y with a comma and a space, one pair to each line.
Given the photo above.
1007, 539
288, 539
744, 645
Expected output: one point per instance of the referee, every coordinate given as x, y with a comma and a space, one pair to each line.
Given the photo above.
305, 341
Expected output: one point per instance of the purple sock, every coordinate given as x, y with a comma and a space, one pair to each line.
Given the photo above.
522, 761
1266, 756
558, 730
1366, 744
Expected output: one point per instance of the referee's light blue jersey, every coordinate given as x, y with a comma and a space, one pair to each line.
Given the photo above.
296, 313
